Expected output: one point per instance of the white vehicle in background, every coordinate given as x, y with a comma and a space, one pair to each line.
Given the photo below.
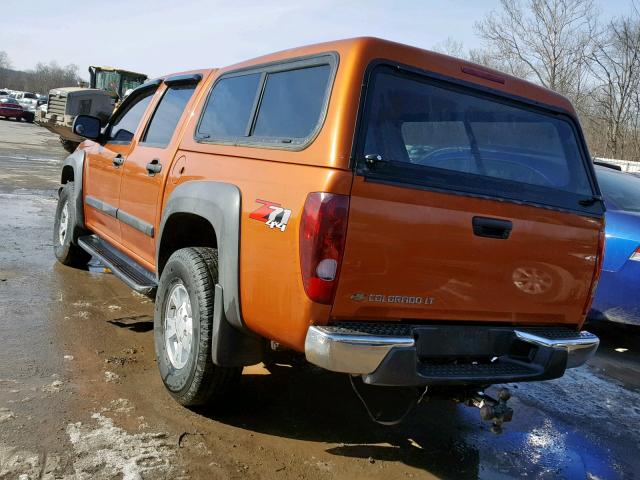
29, 102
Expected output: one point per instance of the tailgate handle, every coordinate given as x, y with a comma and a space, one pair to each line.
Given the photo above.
492, 227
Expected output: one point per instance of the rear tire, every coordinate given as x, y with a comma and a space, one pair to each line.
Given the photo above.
66, 231
183, 329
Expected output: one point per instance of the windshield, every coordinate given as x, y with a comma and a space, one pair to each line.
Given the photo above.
108, 81
30, 96
446, 136
621, 189
129, 82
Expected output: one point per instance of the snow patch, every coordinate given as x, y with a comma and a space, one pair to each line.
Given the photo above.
109, 451
111, 377
121, 405
5, 414
55, 386
22, 464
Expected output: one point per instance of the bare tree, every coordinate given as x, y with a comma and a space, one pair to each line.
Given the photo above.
633, 152
615, 64
43, 78
550, 40
450, 46
487, 58
5, 65
4, 60
51, 75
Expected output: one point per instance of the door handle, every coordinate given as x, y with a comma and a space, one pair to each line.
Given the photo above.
118, 160
492, 227
153, 167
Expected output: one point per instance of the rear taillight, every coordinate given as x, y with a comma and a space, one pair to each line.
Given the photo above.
597, 271
323, 230
635, 256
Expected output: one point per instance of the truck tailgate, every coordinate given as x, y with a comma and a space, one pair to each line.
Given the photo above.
415, 254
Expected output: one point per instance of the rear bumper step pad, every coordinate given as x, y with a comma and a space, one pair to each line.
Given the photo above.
401, 354
124, 267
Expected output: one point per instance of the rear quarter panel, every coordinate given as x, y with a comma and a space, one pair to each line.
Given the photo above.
273, 300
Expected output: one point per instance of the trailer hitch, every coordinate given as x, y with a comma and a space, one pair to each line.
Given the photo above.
495, 411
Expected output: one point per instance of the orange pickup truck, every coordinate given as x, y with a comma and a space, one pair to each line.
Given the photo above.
395, 214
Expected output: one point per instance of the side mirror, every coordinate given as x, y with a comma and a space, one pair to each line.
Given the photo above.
87, 126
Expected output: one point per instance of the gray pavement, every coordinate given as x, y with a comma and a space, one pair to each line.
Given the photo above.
80, 395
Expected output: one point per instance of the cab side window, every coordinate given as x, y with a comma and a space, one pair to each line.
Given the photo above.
124, 126
281, 106
292, 102
167, 114
230, 106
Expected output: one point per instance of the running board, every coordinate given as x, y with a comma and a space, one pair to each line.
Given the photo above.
124, 267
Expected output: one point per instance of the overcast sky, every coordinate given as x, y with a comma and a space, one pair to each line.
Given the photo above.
163, 36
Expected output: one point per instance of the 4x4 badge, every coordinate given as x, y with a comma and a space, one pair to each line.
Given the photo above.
272, 214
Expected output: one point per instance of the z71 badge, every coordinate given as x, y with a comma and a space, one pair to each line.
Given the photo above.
272, 214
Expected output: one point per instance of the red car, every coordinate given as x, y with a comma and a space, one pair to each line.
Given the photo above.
10, 108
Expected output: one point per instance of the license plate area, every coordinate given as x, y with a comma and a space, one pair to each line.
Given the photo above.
457, 342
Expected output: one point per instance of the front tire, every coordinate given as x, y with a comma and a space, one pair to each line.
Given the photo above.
65, 230
183, 325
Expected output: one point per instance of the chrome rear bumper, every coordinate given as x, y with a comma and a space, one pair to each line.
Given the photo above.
579, 348
392, 354
345, 352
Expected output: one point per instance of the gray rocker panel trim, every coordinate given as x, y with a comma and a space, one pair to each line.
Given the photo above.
121, 215
76, 162
135, 222
219, 203
104, 207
